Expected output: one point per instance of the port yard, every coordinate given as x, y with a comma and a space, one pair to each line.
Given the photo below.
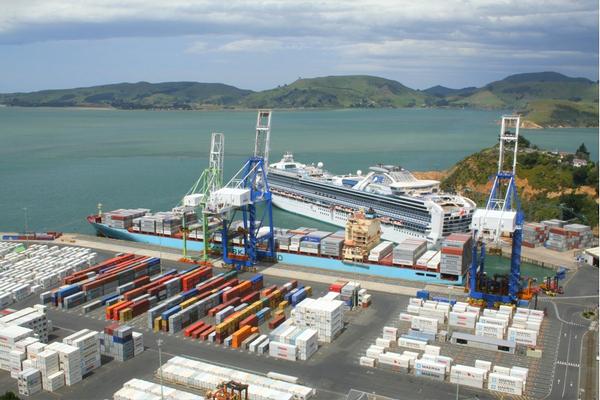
335, 368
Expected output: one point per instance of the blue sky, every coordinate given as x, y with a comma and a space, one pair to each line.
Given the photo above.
261, 44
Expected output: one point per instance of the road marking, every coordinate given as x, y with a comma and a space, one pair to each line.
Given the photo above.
568, 364
567, 369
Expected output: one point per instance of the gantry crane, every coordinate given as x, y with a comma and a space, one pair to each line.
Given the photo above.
501, 215
209, 182
248, 191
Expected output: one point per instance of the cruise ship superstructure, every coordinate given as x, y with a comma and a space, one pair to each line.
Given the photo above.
408, 207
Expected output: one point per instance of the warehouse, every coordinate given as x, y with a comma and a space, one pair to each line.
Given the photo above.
483, 342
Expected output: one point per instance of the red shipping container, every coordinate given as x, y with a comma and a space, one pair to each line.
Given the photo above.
210, 285
141, 281
251, 298
204, 334
189, 281
337, 286
110, 328
199, 331
268, 290
251, 320
115, 311
188, 331
452, 250
275, 322
233, 302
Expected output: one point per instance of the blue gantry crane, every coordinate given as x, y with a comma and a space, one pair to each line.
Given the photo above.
248, 191
501, 215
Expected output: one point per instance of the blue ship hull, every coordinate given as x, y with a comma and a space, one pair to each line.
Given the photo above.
288, 258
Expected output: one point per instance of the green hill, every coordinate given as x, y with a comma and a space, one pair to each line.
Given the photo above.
545, 181
338, 91
442, 91
140, 95
544, 98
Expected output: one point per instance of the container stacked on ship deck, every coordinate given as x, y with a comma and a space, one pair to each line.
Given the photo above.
407, 252
332, 245
311, 243
456, 254
122, 218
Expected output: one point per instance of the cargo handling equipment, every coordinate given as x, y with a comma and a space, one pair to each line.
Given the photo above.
197, 197
249, 192
501, 215
229, 391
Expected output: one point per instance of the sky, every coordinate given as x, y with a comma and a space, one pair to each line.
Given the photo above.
259, 44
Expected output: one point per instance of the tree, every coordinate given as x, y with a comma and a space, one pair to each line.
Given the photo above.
9, 396
523, 142
582, 152
580, 176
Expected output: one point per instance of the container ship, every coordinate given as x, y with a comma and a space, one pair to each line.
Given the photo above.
357, 249
408, 207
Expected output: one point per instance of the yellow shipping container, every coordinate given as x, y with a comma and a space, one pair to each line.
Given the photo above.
188, 302
308, 290
125, 314
156, 325
283, 305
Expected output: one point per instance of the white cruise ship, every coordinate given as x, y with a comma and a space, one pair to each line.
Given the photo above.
408, 207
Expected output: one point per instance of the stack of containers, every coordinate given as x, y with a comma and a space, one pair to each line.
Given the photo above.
430, 369
282, 238
118, 342
534, 234
349, 294
69, 358
136, 389
16, 358
122, 218
325, 316
504, 383
468, 376
581, 235
456, 254
408, 252
34, 318
88, 343
381, 251
29, 382
138, 343
332, 245
311, 242
48, 364
9, 337
423, 261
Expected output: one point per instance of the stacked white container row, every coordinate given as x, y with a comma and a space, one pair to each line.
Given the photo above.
323, 315
34, 318
136, 389
520, 325
36, 268
88, 343
205, 376
290, 342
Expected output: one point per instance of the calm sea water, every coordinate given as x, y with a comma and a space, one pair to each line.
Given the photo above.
60, 163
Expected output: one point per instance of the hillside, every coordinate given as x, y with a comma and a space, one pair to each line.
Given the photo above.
547, 184
140, 95
546, 99
338, 91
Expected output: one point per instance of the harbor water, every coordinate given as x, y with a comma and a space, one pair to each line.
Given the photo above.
56, 165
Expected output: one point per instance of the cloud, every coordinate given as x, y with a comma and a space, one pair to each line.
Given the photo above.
350, 35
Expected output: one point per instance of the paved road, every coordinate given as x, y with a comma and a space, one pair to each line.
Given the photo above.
569, 367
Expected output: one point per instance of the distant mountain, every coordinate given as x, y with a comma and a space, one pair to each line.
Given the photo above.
338, 91
140, 95
544, 98
443, 91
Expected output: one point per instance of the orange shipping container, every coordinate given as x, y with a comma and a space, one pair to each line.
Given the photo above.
239, 336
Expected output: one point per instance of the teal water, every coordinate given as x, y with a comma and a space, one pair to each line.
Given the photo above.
59, 163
